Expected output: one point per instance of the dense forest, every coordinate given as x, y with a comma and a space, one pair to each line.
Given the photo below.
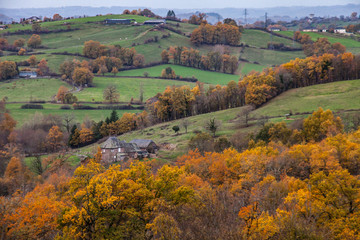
289, 184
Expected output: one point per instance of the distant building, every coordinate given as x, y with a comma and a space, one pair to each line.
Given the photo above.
155, 22
34, 19
274, 29
340, 30
118, 21
146, 145
27, 74
310, 30
114, 150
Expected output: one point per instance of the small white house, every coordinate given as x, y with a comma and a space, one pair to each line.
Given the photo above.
340, 30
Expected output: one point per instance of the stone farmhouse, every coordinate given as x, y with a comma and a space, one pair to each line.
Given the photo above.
113, 150
146, 145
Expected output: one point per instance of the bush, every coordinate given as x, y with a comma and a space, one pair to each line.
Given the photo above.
37, 101
32, 106
82, 107
65, 107
203, 142
176, 128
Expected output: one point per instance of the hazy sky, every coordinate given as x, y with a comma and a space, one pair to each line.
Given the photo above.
172, 3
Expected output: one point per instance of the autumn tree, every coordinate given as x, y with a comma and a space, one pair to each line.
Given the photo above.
111, 94
19, 42
21, 52
82, 76
34, 41
57, 17
114, 71
3, 43
36, 27
139, 60
93, 49
54, 139
8, 69
168, 73
60, 96
32, 61
320, 124
43, 67
165, 56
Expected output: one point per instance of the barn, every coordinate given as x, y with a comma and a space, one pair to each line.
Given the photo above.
146, 145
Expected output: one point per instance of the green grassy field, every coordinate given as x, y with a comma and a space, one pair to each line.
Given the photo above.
334, 96
21, 115
245, 68
127, 87
23, 90
201, 75
257, 38
269, 57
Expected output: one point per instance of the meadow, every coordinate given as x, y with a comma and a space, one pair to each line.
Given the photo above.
128, 88
22, 115
186, 72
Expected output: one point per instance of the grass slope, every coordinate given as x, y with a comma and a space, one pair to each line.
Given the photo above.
334, 96
22, 115
22, 90
201, 75
260, 39
127, 87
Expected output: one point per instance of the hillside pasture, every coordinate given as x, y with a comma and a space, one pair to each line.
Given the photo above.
22, 115
127, 87
260, 39
24, 90
203, 76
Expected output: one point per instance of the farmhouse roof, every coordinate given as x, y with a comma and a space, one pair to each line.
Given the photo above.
112, 143
142, 143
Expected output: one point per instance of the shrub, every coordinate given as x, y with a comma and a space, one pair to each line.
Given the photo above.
65, 107
32, 106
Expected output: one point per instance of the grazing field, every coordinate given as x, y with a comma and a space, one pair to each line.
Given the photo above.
246, 68
269, 57
201, 75
22, 115
24, 90
335, 96
260, 39
127, 87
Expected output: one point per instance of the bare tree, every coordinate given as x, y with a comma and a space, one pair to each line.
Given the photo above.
141, 92
68, 121
245, 114
111, 94
185, 123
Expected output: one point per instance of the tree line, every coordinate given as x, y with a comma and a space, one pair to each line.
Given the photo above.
219, 61
220, 33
